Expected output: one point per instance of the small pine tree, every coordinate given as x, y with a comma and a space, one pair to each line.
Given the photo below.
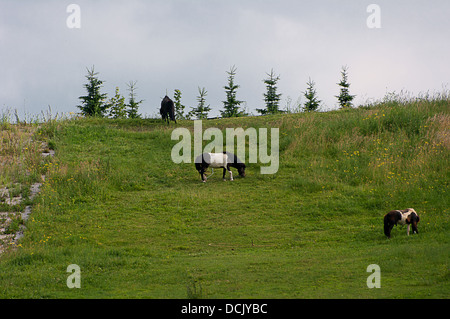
312, 103
231, 105
271, 97
93, 104
117, 106
179, 108
201, 111
133, 105
344, 98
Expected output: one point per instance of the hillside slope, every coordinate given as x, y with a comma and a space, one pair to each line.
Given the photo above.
139, 225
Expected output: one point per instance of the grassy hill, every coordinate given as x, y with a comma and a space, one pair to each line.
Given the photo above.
139, 225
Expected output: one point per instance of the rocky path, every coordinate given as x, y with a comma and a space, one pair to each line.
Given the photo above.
12, 224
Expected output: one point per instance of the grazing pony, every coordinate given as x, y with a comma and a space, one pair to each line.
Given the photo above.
216, 160
167, 110
406, 216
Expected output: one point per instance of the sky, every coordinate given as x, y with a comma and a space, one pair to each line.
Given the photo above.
402, 46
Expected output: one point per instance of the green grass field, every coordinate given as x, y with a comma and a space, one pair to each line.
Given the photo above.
140, 226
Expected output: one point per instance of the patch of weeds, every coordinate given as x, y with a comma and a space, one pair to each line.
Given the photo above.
14, 225
194, 290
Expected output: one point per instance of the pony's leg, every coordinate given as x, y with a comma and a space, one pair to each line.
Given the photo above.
227, 167
229, 170
224, 172
202, 174
407, 230
388, 228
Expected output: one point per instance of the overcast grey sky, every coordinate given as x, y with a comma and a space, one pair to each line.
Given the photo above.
184, 44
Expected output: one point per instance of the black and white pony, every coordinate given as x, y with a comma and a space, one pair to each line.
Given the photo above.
167, 110
217, 160
402, 217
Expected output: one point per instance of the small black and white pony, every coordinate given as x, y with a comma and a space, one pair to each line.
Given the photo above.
225, 160
403, 217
